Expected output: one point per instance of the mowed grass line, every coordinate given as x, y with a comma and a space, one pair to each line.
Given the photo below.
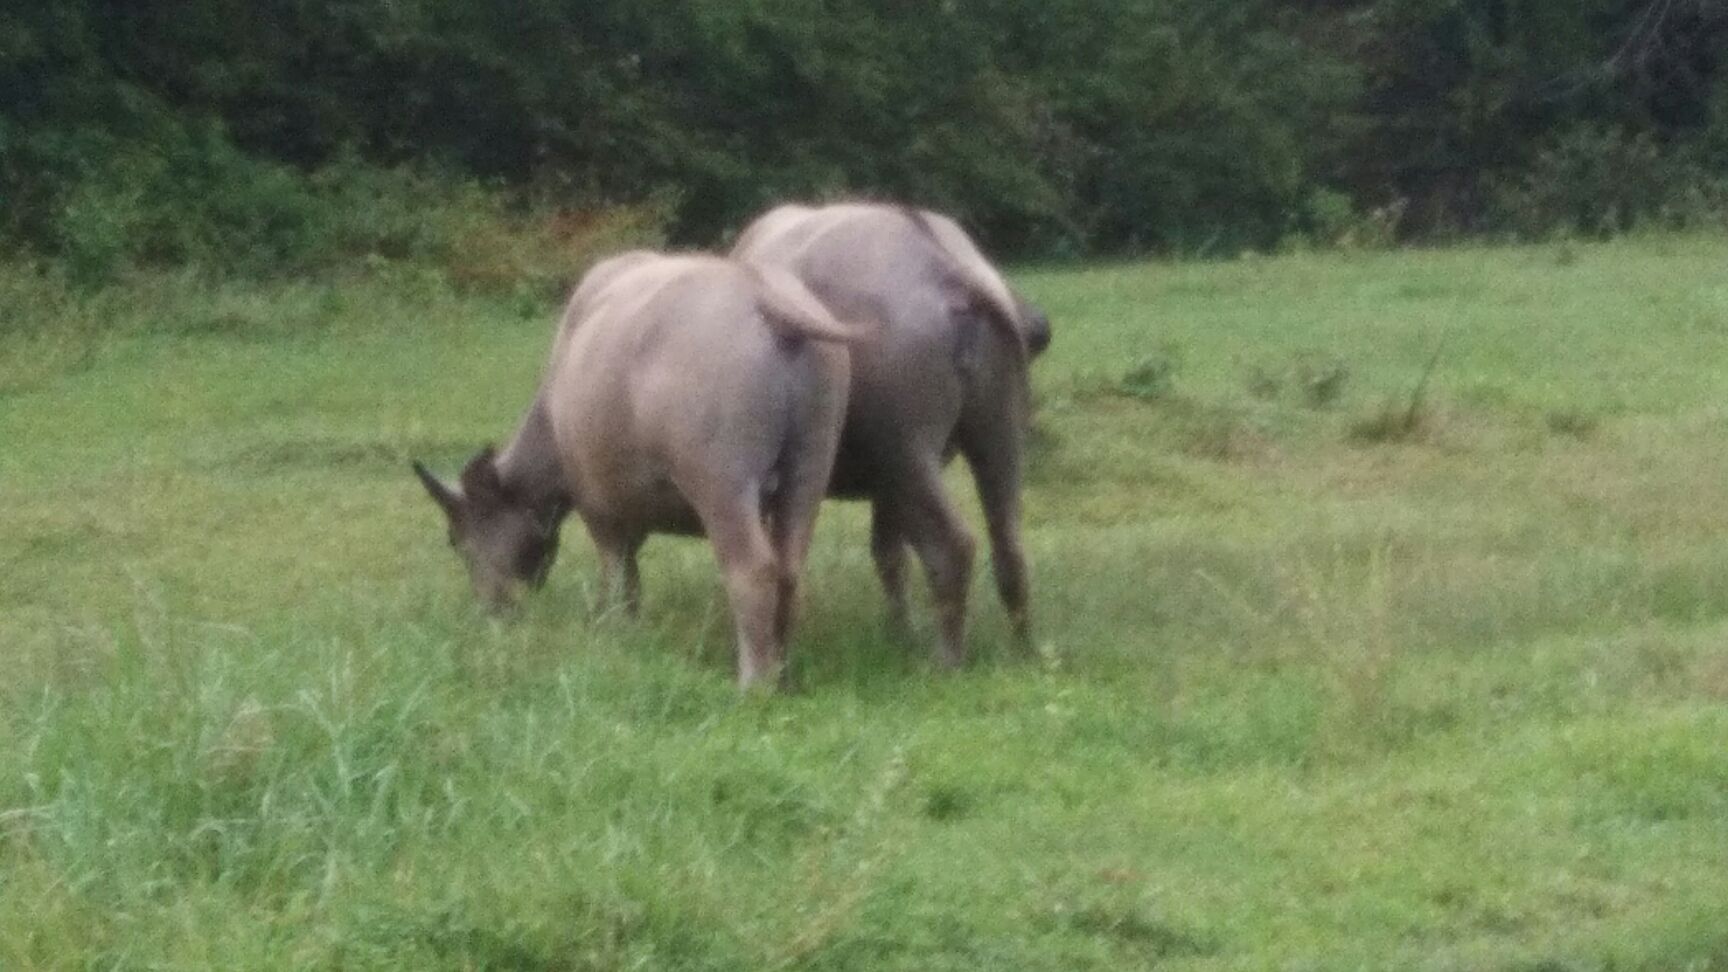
1303, 700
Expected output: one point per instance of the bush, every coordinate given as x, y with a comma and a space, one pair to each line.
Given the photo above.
190, 198
1600, 181
231, 134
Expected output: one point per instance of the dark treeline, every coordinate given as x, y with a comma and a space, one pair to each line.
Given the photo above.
163, 131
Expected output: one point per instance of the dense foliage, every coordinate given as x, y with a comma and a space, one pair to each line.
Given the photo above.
284, 134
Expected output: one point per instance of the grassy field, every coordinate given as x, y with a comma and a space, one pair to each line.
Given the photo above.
1318, 688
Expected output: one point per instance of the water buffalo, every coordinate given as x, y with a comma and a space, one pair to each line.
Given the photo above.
685, 394
947, 372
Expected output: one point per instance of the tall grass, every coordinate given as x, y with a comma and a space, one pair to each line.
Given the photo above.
1301, 700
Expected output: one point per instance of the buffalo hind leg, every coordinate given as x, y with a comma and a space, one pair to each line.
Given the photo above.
992, 447
803, 486
752, 575
946, 548
790, 529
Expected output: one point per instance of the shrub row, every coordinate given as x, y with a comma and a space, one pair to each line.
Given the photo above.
266, 136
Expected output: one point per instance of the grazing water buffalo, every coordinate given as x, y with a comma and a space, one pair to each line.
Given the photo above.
685, 394
947, 372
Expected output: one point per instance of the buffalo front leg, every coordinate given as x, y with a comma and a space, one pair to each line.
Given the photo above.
620, 579
888, 549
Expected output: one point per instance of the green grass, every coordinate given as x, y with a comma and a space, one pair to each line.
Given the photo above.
1454, 698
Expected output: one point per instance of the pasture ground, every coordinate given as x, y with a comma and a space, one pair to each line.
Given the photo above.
1317, 688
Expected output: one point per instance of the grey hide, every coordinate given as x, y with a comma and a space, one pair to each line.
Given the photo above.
684, 394
948, 372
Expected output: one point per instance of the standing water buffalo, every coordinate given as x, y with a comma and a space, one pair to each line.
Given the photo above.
948, 371
685, 394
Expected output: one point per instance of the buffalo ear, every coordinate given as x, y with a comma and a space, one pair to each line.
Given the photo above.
446, 498
480, 482
1035, 325
1039, 340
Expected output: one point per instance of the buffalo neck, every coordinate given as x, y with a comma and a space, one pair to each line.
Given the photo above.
529, 466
